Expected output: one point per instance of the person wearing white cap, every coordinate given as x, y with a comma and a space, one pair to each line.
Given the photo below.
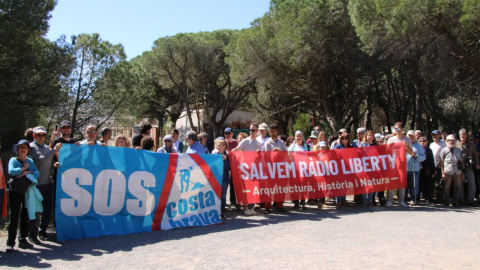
43, 158
451, 165
339, 133
378, 138
263, 129
167, 145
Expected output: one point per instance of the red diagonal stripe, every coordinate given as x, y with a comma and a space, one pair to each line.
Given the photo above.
208, 174
167, 187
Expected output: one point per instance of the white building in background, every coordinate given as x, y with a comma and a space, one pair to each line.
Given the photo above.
237, 120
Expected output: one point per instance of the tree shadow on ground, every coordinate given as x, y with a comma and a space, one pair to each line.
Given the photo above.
75, 250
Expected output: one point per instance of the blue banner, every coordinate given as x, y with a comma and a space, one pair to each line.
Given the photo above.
103, 190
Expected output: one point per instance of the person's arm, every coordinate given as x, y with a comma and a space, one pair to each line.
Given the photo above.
13, 168
420, 154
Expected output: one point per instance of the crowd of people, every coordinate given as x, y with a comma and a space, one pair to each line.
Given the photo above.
445, 171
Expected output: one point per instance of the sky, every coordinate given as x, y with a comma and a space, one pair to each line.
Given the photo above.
137, 24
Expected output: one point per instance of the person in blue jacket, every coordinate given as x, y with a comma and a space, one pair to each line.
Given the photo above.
20, 166
413, 168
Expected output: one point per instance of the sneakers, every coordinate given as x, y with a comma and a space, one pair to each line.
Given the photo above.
222, 216
304, 207
389, 204
412, 204
281, 210
320, 206
24, 244
296, 205
10, 249
247, 212
253, 211
427, 203
267, 211
403, 204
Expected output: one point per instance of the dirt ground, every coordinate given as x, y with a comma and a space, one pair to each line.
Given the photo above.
431, 237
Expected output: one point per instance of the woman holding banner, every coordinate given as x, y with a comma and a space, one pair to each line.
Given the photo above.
298, 146
368, 140
344, 143
221, 148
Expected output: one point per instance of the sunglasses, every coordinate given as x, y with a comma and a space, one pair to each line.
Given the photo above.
228, 133
67, 127
167, 141
344, 139
253, 130
91, 132
41, 135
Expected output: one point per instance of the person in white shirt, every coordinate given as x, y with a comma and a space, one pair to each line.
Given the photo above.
436, 146
263, 129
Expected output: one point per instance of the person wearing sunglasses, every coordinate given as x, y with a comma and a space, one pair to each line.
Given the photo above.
91, 136
231, 142
250, 144
167, 145
43, 157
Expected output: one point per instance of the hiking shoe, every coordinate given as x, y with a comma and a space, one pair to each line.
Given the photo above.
267, 211
222, 216
403, 204
24, 244
281, 210
296, 205
253, 211
389, 204
320, 206
10, 249
43, 236
34, 240
247, 212
304, 207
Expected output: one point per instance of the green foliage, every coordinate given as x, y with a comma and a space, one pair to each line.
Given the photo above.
303, 123
92, 91
31, 67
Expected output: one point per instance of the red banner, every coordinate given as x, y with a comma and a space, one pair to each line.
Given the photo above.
282, 176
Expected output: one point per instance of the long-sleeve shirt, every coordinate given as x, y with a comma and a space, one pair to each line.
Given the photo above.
15, 167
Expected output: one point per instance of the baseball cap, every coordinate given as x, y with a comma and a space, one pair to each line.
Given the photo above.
476, 135
342, 131
322, 143
263, 126
411, 132
435, 132
378, 136
361, 130
65, 123
228, 129
39, 129
314, 134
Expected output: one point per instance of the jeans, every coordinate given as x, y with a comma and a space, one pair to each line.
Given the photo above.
47, 193
413, 185
368, 197
19, 212
223, 204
